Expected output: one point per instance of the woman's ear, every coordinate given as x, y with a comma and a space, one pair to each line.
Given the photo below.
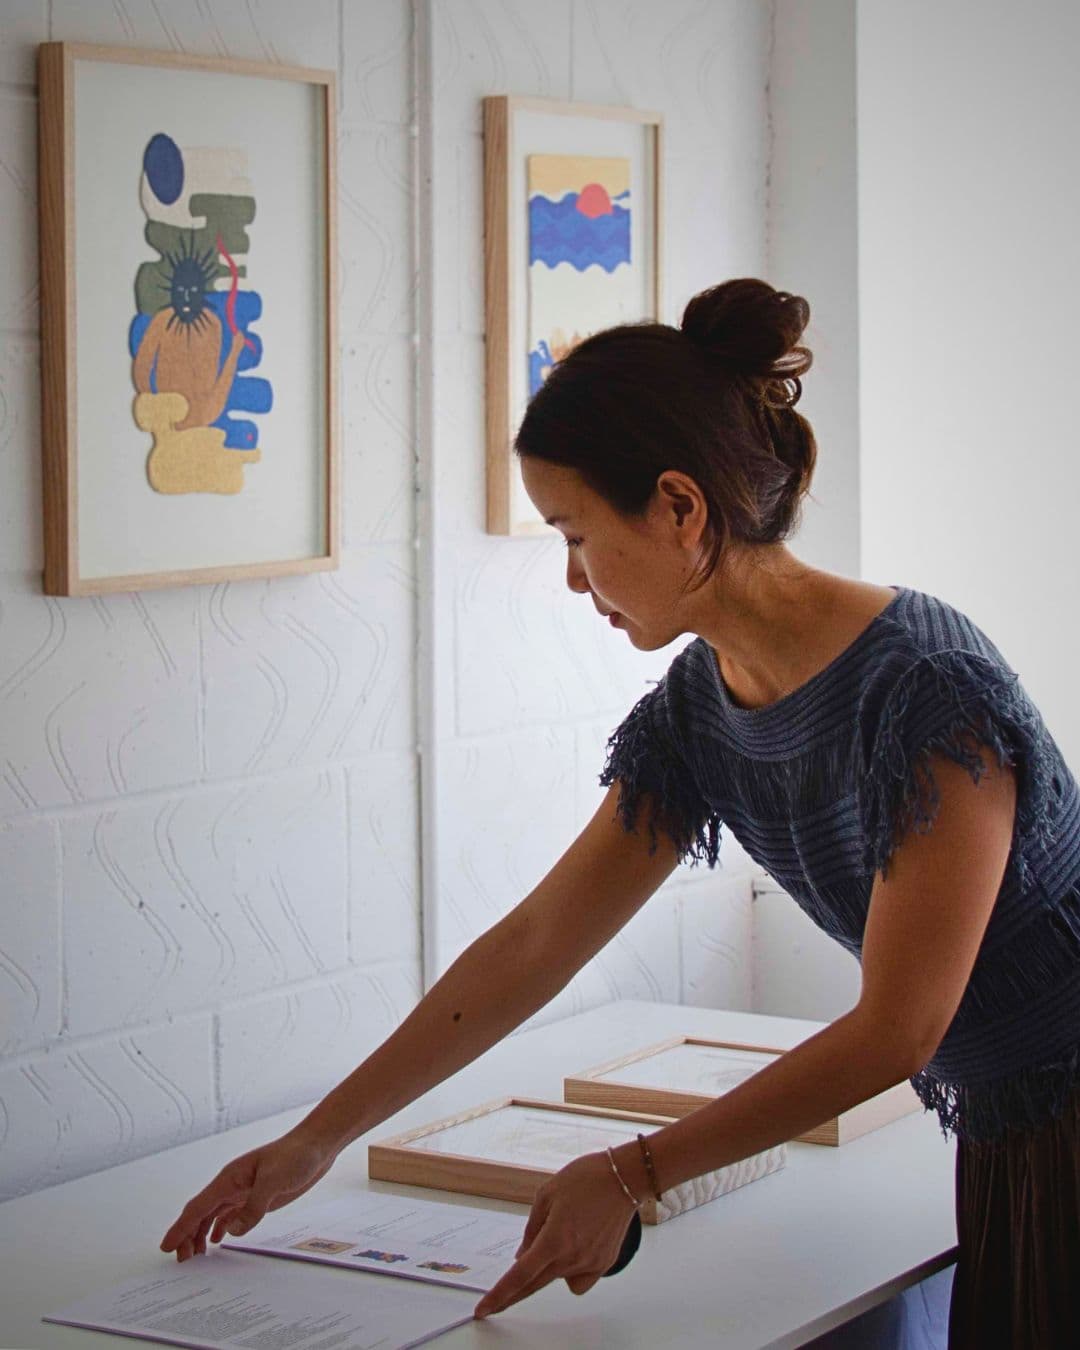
682, 502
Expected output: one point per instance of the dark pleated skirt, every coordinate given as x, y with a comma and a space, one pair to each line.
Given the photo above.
1017, 1282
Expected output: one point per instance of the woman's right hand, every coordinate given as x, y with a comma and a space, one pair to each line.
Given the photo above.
246, 1189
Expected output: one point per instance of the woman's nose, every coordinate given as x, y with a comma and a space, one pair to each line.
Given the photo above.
575, 575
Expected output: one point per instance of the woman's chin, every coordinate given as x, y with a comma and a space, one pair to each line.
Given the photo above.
650, 640
641, 638
644, 642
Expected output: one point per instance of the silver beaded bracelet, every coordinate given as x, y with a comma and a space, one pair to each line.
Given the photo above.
625, 1188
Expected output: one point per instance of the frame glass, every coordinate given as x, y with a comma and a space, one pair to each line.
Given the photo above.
675, 1077
508, 1148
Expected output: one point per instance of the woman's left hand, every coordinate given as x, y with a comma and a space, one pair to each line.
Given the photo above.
575, 1232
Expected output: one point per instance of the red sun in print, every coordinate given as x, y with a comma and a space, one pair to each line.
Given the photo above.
593, 200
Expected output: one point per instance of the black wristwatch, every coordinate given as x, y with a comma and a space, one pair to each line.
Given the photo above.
630, 1243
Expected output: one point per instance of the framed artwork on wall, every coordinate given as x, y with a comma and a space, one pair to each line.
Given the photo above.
572, 244
189, 346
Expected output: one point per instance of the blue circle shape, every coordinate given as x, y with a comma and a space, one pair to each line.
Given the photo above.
164, 167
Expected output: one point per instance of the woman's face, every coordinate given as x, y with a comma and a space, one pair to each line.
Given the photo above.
634, 568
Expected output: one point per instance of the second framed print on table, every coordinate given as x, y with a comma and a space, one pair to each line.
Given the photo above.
189, 350
572, 245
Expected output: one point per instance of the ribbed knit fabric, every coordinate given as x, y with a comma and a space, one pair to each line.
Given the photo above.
821, 786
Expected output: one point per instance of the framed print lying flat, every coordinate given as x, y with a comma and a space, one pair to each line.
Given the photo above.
572, 244
188, 331
506, 1149
677, 1076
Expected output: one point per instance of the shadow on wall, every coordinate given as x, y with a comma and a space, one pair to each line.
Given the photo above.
797, 970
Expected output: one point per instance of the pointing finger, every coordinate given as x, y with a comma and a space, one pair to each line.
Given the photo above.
513, 1287
209, 1201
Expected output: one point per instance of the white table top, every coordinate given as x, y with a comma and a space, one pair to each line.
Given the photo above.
773, 1264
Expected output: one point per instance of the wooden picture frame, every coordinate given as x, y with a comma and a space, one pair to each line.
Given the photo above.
419, 1158
624, 1084
518, 132
165, 465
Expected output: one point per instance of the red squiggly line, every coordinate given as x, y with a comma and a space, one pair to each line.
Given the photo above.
230, 303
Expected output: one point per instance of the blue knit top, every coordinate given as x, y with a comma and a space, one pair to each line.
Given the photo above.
821, 786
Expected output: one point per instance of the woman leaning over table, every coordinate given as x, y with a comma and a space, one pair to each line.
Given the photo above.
867, 745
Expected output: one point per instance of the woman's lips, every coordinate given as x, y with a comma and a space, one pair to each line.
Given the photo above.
613, 618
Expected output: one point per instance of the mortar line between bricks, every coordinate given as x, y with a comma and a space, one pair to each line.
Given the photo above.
193, 787
498, 735
192, 1016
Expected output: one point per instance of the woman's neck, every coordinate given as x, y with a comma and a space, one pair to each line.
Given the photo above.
775, 622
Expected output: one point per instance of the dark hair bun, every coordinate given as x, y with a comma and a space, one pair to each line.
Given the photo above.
750, 329
712, 400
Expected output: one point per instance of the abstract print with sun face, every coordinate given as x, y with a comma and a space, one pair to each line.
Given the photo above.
190, 338
580, 277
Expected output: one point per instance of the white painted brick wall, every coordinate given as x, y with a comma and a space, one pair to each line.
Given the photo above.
209, 797
23, 27
383, 814
29, 934
209, 900
18, 208
513, 649
81, 1106
100, 696
265, 1047
203, 897
20, 420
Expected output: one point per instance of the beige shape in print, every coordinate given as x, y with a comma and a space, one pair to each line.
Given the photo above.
194, 460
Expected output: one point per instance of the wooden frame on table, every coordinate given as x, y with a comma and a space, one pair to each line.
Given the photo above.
417, 1158
517, 130
150, 477
673, 1091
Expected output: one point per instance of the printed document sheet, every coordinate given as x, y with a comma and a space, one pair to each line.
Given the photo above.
456, 1245
230, 1300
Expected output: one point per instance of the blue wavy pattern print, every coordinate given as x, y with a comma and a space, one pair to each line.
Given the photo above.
559, 232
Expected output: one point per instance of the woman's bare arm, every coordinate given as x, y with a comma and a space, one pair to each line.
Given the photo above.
505, 976
924, 928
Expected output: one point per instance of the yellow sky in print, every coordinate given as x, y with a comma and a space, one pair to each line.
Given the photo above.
555, 175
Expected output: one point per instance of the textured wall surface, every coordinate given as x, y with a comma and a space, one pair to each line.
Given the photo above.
964, 424
813, 250
210, 838
527, 682
209, 880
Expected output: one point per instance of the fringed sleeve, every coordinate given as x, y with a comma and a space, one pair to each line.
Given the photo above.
960, 705
655, 784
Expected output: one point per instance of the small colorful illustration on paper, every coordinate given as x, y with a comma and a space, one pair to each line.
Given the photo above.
328, 1246
191, 338
581, 277
371, 1254
443, 1267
